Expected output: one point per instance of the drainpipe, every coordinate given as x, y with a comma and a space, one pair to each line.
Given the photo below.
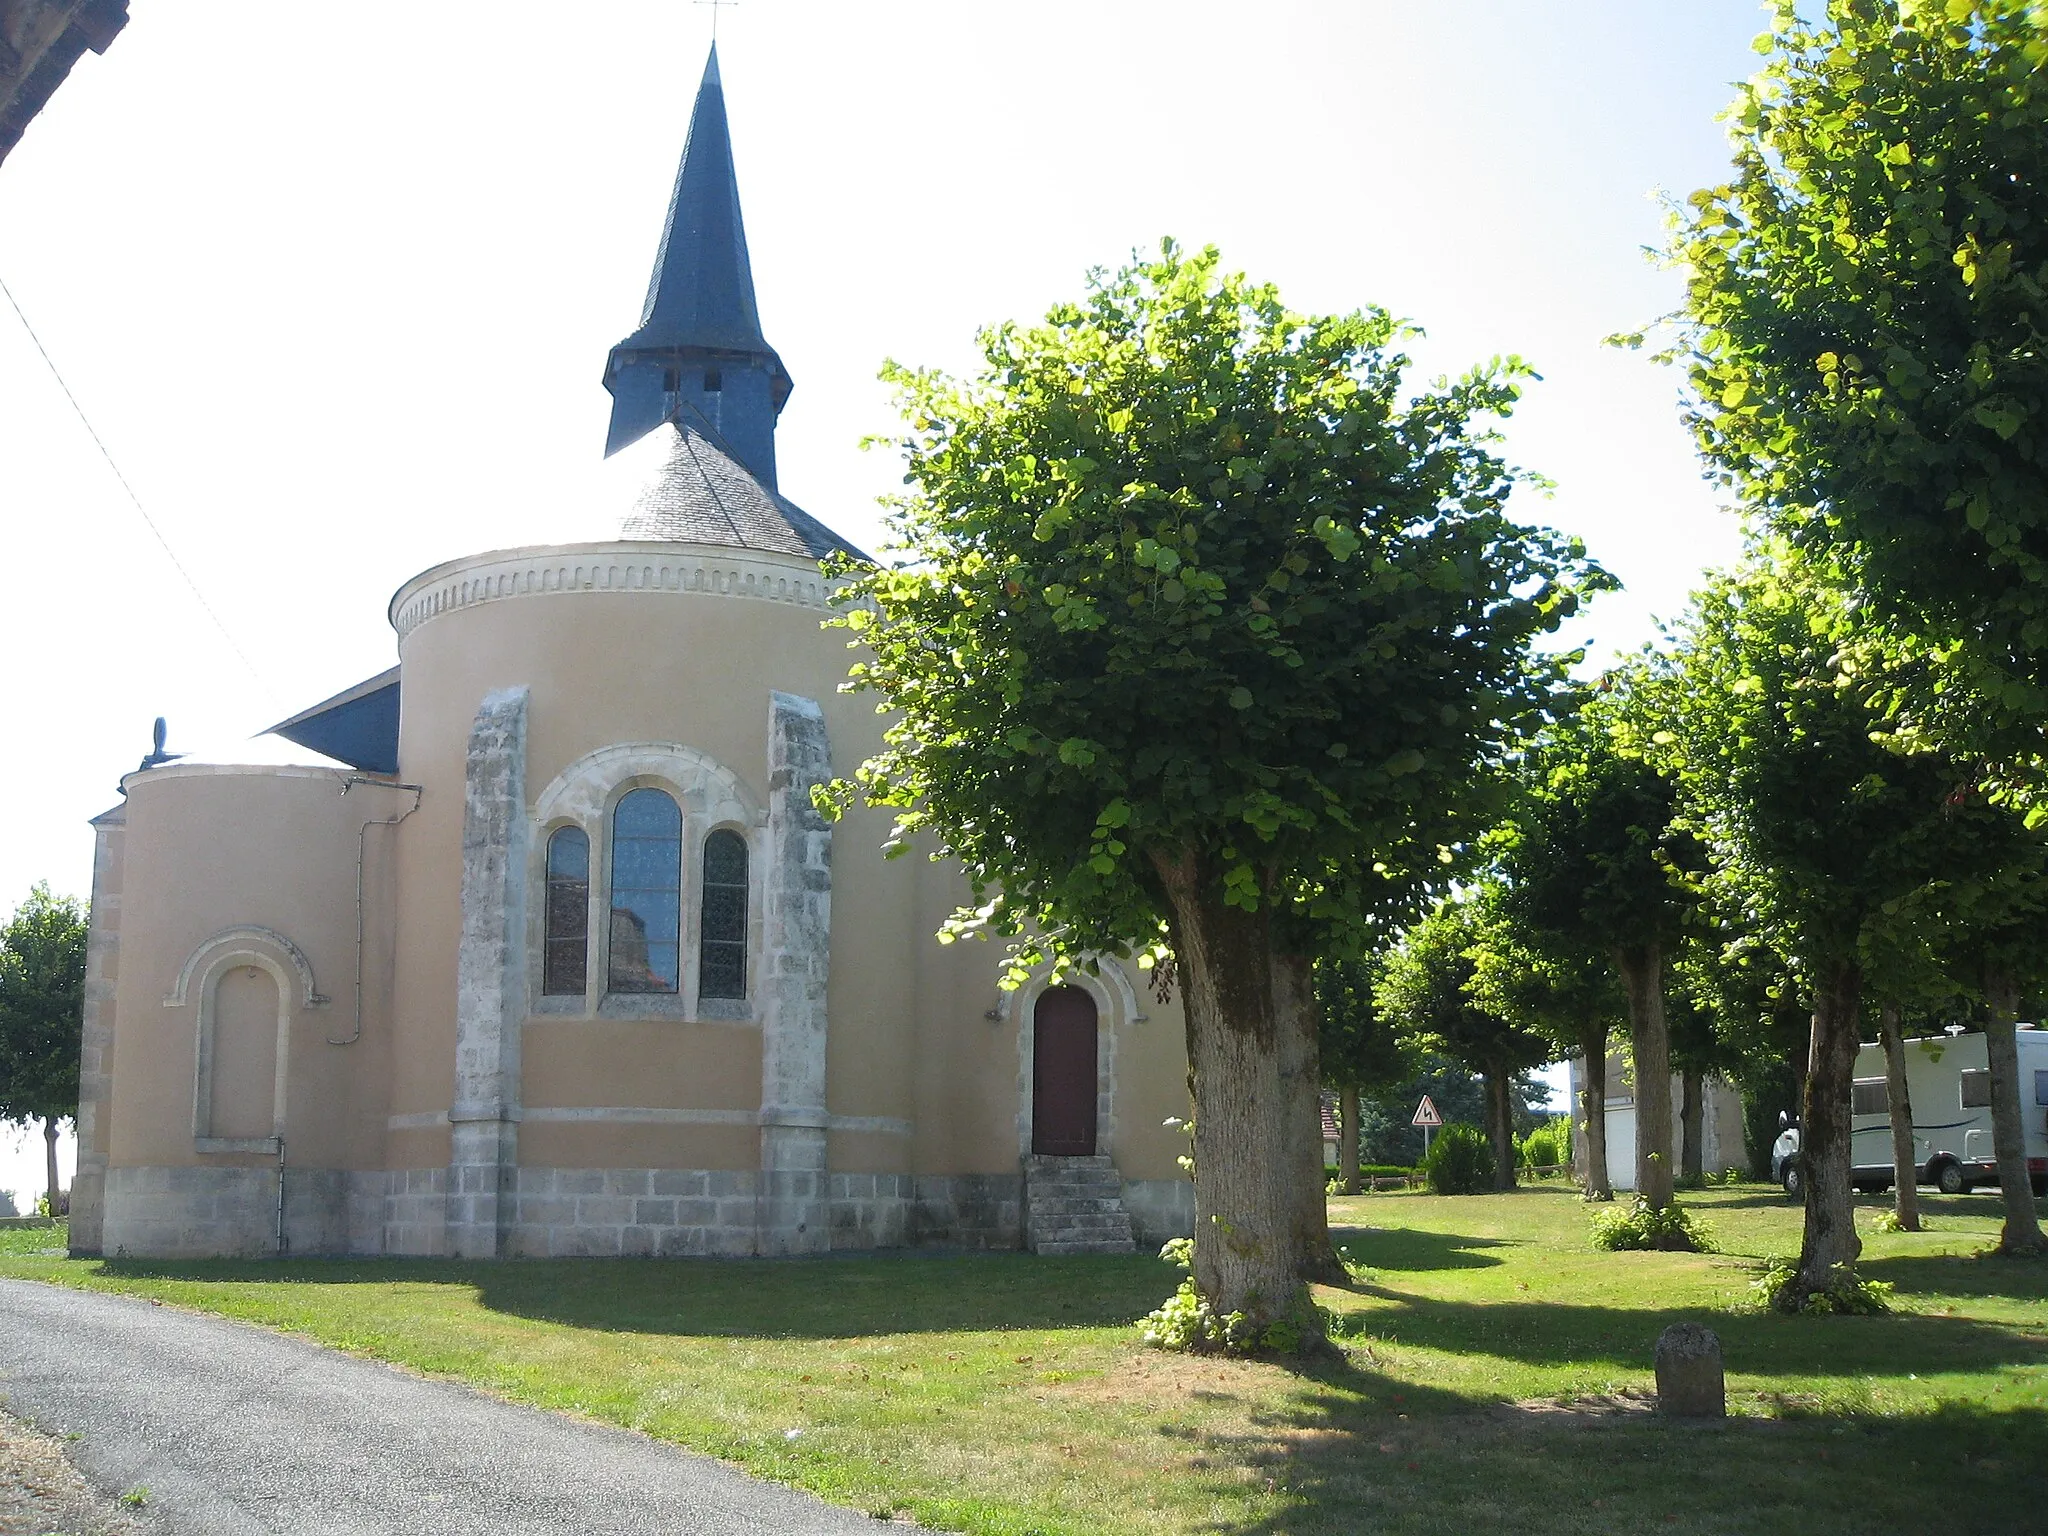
282, 1242
362, 853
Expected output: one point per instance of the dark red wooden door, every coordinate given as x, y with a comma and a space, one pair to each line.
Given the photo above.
1063, 1074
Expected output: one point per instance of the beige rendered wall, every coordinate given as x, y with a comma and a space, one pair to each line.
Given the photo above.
908, 1041
205, 850
606, 668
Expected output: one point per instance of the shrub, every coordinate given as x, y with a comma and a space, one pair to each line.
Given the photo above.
1641, 1225
1187, 1323
1460, 1161
1548, 1146
1888, 1221
1777, 1289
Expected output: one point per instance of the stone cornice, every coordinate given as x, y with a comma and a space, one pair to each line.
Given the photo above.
623, 566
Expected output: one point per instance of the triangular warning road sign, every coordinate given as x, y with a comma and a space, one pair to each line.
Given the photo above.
1425, 1113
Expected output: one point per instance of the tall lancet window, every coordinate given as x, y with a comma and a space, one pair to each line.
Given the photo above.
647, 879
722, 931
567, 950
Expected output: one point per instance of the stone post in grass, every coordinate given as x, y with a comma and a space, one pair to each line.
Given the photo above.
1689, 1379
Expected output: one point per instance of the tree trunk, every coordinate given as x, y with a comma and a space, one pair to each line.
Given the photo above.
1642, 975
1500, 1116
50, 1161
1692, 1115
1253, 1228
1347, 1139
1593, 1103
1905, 1162
1830, 1236
2022, 1232
1292, 990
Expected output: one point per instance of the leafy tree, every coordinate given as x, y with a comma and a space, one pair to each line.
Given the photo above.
1357, 1048
1696, 1051
1862, 329
1814, 828
42, 1010
1761, 1020
1567, 998
1209, 628
1983, 924
1596, 861
1432, 987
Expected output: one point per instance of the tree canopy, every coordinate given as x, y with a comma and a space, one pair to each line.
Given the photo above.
1194, 571
1862, 329
1432, 985
1210, 634
1596, 860
1821, 838
42, 1007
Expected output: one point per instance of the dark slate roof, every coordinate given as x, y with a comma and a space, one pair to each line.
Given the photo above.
702, 290
696, 492
39, 42
358, 726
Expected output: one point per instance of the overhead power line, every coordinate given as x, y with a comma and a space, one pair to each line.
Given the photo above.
140, 510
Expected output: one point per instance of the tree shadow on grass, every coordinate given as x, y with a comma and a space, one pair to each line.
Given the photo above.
1948, 1274
1341, 1466
1412, 1250
748, 1298
1768, 1344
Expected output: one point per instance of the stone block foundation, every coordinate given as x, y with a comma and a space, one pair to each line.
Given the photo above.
210, 1212
668, 1213
1159, 1209
217, 1212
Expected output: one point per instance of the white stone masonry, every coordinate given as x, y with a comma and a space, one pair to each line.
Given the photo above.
796, 954
490, 982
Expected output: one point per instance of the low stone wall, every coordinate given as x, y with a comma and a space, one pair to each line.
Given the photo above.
871, 1210
572, 1212
416, 1212
969, 1210
632, 1212
216, 1212
1159, 1209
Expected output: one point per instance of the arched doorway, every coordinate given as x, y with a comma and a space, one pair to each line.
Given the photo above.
1063, 1073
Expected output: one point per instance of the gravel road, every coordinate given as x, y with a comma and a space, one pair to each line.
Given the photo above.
236, 1430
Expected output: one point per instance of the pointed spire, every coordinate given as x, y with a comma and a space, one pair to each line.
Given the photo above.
700, 342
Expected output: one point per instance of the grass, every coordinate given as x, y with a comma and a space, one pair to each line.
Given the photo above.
1496, 1381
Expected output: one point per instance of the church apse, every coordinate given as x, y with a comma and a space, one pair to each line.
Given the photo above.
627, 991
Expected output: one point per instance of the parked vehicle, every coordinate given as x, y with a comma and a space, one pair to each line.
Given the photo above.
1950, 1088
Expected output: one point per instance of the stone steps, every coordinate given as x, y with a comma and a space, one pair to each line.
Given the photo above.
1075, 1205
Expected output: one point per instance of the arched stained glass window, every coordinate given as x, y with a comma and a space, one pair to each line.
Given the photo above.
722, 930
647, 871
566, 957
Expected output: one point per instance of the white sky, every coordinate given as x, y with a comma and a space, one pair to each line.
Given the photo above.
336, 283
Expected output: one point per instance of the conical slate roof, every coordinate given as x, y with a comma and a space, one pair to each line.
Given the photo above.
702, 290
690, 490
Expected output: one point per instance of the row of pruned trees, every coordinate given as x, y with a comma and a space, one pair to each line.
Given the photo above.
1725, 832
1213, 638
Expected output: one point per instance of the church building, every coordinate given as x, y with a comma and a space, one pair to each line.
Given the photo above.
563, 961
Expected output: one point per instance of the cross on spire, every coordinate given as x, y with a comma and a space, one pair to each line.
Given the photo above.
716, 7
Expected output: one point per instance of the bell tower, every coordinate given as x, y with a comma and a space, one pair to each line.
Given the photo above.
699, 357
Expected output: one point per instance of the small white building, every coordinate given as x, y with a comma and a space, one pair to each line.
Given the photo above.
1721, 1145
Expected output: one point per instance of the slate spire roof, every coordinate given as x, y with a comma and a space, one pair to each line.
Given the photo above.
700, 308
696, 390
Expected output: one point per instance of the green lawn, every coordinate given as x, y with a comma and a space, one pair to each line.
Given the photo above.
1495, 1385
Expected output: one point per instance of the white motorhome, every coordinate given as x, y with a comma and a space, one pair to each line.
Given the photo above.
1950, 1089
